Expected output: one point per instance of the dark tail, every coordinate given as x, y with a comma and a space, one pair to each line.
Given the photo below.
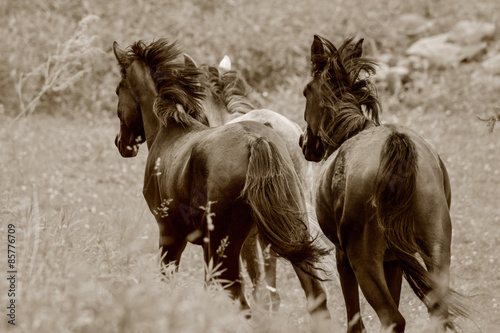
273, 192
393, 201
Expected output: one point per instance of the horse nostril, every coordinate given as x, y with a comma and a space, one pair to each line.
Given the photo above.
116, 141
301, 140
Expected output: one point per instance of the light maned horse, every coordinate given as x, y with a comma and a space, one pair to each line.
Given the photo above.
227, 102
242, 172
383, 196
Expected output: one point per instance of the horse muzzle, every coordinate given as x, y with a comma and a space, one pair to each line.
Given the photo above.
312, 148
126, 150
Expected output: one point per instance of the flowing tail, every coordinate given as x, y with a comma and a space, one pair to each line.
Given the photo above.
393, 201
273, 192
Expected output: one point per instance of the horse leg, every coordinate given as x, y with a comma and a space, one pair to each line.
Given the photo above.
315, 293
229, 272
367, 260
269, 275
261, 269
270, 261
436, 247
351, 293
171, 246
251, 261
393, 272
231, 228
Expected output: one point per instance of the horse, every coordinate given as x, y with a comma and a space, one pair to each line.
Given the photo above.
210, 186
383, 195
227, 102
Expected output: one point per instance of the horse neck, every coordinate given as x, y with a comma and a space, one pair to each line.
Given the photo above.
345, 126
171, 126
149, 118
153, 125
215, 113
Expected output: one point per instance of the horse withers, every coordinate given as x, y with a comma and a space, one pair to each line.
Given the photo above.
242, 171
383, 197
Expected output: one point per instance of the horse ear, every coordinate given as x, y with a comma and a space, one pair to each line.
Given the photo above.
317, 46
120, 54
225, 63
189, 62
358, 49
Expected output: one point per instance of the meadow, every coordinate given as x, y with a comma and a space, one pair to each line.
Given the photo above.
86, 243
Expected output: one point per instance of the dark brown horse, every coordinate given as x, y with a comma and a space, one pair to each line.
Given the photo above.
241, 171
383, 197
228, 101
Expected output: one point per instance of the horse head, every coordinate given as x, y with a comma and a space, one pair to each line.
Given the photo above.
335, 95
157, 84
129, 92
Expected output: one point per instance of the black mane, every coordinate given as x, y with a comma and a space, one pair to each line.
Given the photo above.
174, 81
349, 99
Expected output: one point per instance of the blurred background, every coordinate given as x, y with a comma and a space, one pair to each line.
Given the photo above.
59, 52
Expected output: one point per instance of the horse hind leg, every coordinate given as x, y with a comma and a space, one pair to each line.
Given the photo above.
393, 272
372, 282
436, 249
315, 294
171, 248
231, 228
350, 290
366, 257
261, 269
270, 262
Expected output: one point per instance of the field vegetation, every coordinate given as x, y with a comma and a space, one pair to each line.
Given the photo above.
86, 244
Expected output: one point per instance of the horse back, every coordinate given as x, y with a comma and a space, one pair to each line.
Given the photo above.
207, 164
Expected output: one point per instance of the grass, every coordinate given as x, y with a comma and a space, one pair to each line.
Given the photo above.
87, 256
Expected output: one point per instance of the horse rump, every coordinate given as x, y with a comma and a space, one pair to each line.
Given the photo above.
273, 192
393, 202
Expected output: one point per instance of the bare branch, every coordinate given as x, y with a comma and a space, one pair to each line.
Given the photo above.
491, 121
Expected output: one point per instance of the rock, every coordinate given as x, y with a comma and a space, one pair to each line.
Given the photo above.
465, 41
470, 32
492, 65
470, 52
437, 51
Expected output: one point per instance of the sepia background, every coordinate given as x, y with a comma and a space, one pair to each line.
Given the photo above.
86, 243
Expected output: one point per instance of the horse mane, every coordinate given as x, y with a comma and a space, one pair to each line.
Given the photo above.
349, 100
228, 88
174, 81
